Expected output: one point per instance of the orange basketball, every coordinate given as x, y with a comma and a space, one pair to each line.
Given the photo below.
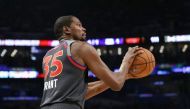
143, 64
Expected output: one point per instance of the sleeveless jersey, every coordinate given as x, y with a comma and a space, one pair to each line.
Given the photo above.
64, 80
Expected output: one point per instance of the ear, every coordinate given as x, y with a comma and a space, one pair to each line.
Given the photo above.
66, 30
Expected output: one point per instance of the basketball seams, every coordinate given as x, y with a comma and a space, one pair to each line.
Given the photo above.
148, 57
141, 62
134, 74
152, 63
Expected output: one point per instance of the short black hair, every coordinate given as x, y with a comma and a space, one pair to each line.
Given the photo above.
60, 22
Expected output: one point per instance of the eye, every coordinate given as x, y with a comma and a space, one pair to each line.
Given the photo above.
79, 25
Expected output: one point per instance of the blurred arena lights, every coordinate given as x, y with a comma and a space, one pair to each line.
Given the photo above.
14, 53
170, 94
24, 73
184, 49
18, 74
184, 69
134, 40
148, 95
119, 50
154, 39
99, 51
96, 42
177, 38
20, 98
106, 41
3, 52
52, 43
163, 72
158, 83
151, 48
161, 49
145, 95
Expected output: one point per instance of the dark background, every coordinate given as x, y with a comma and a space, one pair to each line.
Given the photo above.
23, 19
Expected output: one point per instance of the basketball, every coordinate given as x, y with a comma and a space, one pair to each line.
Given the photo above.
143, 64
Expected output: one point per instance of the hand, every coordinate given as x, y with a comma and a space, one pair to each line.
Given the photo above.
137, 52
129, 57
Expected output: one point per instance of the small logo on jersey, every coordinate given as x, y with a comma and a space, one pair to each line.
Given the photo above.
50, 84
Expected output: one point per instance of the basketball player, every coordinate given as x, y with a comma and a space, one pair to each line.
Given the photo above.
64, 66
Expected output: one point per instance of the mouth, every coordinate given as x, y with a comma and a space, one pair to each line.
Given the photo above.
84, 34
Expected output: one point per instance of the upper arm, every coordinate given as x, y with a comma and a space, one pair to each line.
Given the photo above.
96, 65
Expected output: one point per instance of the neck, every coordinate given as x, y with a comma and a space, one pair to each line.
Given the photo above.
66, 37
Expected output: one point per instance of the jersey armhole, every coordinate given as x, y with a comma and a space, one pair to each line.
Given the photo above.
71, 59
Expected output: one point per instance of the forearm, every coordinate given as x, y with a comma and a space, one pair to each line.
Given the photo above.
95, 88
121, 75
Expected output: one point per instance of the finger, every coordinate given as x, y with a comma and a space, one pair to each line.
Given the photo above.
129, 48
138, 52
137, 46
139, 49
133, 56
134, 48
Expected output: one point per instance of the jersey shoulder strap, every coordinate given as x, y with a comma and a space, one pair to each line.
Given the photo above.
69, 42
67, 45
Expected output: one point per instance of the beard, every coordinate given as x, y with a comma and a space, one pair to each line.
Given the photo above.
80, 38
83, 39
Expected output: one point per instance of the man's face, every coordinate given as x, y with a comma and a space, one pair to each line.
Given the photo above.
78, 32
